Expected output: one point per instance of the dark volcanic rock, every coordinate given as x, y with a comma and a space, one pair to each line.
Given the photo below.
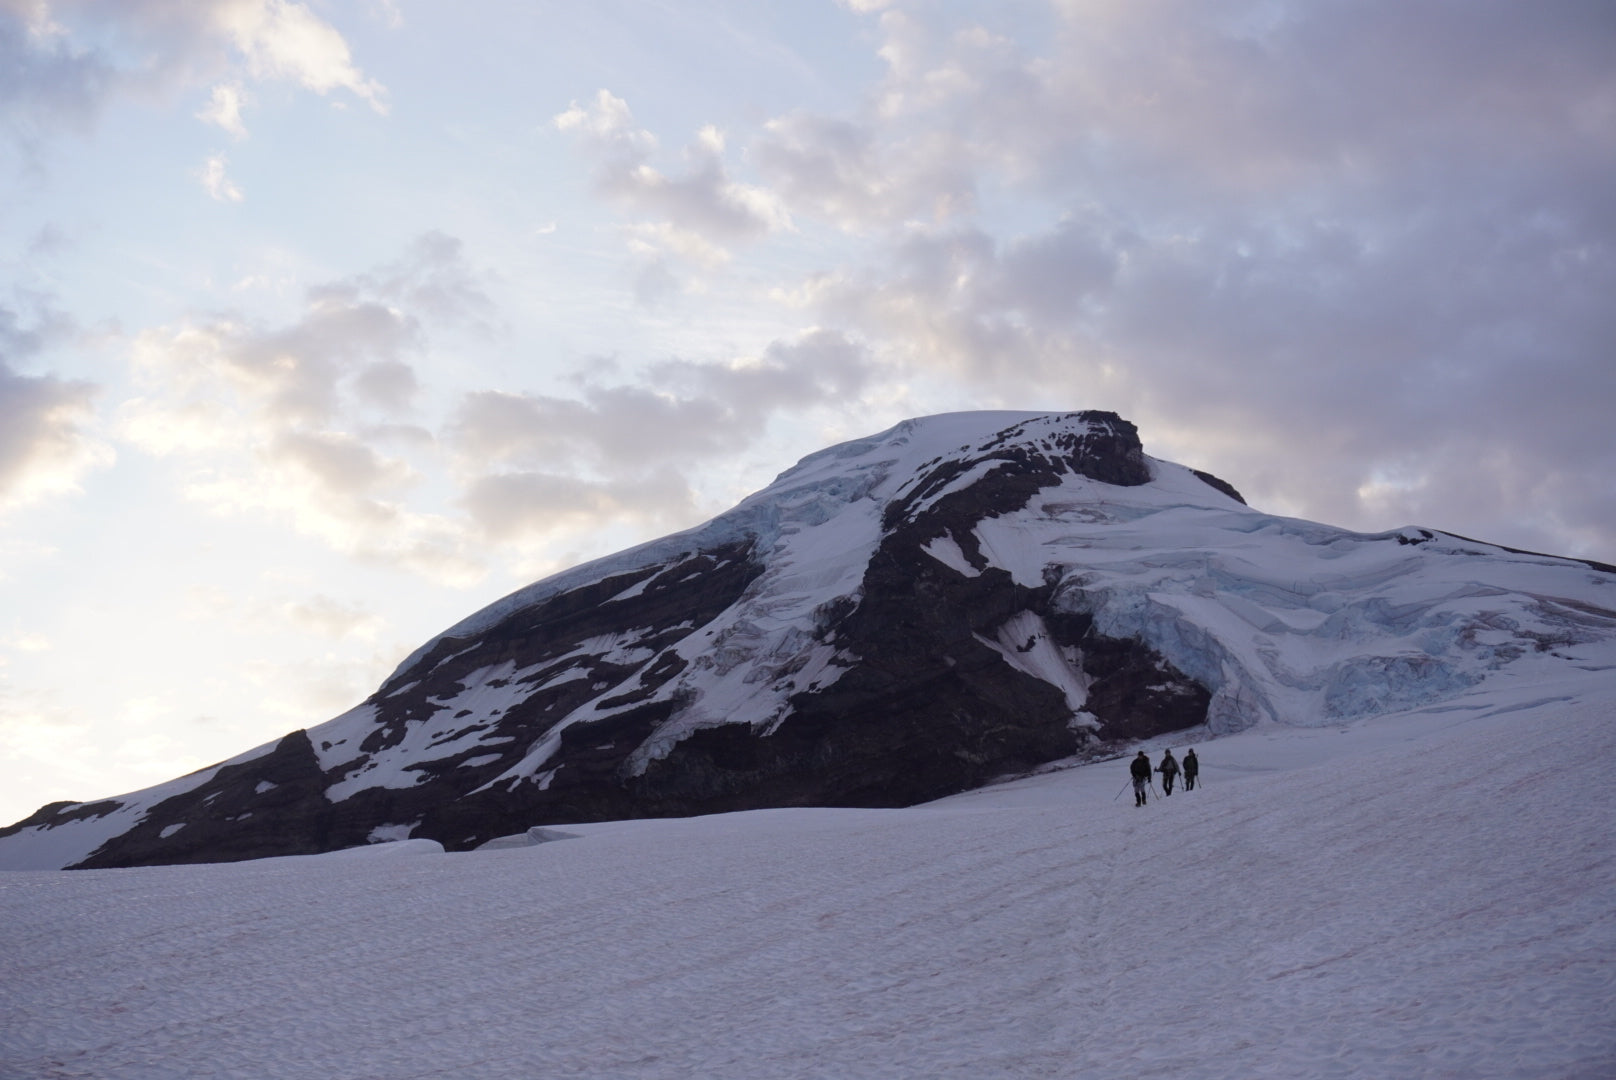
271, 805
1222, 485
56, 814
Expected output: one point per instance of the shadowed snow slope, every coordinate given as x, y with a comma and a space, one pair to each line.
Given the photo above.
893, 620
1429, 894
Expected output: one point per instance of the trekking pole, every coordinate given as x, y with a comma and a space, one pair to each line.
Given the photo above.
1118, 795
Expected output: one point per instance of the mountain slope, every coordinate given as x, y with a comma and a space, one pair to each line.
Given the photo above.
892, 620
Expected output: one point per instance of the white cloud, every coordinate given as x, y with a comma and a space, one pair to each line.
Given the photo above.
211, 379
607, 124
47, 424
702, 202
540, 466
40, 736
224, 109
209, 603
388, 12
652, 240
1311, 241
388, 385
281, 422
49, 84
65, 59
677, 410
846, 173
434, 280
323, 615
530, 506
214, 181
338, 463
283, 40
45, 445
27, 643
271, 420
319, 686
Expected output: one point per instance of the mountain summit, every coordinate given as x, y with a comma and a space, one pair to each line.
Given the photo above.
894, 619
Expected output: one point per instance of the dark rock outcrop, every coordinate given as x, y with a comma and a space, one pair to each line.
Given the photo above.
272, 805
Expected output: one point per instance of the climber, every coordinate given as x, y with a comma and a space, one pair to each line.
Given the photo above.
1169, 770
1140, 768
1191, 768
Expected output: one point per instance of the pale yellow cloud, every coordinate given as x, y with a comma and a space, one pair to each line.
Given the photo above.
323, 615
278, 421
47, 440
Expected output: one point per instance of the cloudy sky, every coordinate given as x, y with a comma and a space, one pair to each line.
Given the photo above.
324, 323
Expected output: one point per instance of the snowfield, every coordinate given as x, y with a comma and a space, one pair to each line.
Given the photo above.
1424, 894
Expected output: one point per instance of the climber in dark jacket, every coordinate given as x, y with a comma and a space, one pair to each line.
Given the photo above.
1140, 768
1169, 770
1191, 768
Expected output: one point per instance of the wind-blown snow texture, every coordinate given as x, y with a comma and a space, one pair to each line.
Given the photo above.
894, 618
1430, 894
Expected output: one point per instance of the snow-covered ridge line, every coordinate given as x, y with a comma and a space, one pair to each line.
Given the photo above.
900, 617
827, 478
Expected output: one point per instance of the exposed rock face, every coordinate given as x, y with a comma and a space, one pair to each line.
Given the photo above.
892, 620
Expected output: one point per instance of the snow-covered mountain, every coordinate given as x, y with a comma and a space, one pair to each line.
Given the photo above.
892, 620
